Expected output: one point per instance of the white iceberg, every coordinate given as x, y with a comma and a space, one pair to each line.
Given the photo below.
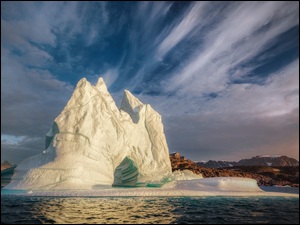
92, 143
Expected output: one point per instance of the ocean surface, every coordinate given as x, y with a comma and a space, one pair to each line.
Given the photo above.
201, 210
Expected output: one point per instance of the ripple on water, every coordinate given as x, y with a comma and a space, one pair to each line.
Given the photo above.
37, 210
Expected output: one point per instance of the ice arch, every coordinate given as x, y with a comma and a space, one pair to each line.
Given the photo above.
126, 174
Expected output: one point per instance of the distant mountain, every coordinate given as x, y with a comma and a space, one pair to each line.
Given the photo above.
218, 164
269, 161
6, 165
264, 160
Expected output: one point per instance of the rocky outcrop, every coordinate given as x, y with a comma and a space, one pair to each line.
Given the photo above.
7, 170
264, 175
181, 163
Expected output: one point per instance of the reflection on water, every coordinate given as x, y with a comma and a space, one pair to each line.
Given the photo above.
106, 210
196, 210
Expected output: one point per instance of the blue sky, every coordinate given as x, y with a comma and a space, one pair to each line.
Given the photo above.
223, 75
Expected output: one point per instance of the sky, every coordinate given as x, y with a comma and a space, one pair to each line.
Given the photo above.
223, 75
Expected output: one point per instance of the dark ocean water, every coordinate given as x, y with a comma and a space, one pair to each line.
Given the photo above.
203, 210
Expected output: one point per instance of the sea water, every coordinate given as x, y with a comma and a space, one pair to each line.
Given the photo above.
18, 209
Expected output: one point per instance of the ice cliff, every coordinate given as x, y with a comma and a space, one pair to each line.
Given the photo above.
93, 144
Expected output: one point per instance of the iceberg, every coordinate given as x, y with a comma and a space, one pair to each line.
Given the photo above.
94, 144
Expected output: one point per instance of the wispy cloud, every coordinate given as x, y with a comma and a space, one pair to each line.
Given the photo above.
216, 71
236, 39
190, 21
110, 76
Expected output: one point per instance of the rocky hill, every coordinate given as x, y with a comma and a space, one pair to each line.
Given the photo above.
265, 175
6, 165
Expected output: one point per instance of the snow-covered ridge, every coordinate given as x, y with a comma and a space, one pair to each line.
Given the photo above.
91, 138
269, 156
